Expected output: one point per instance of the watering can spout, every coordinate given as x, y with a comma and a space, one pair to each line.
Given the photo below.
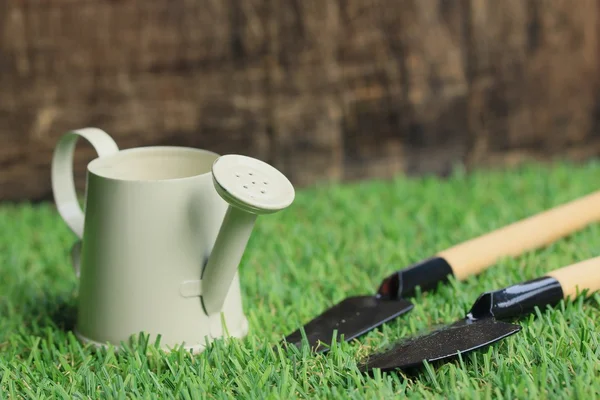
251, 187
225, 258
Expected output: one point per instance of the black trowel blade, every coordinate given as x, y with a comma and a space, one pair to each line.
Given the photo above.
463, 336
351, 318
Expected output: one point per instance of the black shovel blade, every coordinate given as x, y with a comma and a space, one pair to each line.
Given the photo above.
351, 318
461, 337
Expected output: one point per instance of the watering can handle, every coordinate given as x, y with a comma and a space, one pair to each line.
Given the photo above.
63, 184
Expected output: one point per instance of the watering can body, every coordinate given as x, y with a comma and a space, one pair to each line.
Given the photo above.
152, 216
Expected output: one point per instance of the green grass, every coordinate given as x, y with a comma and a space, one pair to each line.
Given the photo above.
335, 241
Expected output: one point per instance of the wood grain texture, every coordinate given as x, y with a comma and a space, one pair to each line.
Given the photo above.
534, 232
322, 89
579, 277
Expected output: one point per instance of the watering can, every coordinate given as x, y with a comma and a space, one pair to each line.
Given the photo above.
161, 238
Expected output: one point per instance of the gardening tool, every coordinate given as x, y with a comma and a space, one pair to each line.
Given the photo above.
482, 325
358, 315
163, 234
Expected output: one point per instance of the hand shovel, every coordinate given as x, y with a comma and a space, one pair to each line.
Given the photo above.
358, 315
483, 326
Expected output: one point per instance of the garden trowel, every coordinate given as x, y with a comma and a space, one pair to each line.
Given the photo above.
358, 315
482, 325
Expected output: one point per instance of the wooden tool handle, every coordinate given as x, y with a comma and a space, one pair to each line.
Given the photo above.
578, 277
476, 255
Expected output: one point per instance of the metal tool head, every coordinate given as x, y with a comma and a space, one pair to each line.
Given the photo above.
444, 344
358, 315
350, 318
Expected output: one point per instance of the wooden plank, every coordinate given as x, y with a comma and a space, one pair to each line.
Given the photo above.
305, 111
341, 89
536, 88
417, 98
214, 112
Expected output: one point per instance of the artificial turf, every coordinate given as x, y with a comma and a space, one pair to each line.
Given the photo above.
334, 241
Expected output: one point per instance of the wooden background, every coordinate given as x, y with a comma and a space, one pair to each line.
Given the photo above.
322, 89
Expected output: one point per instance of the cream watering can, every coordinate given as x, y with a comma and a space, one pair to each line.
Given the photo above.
162, 236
